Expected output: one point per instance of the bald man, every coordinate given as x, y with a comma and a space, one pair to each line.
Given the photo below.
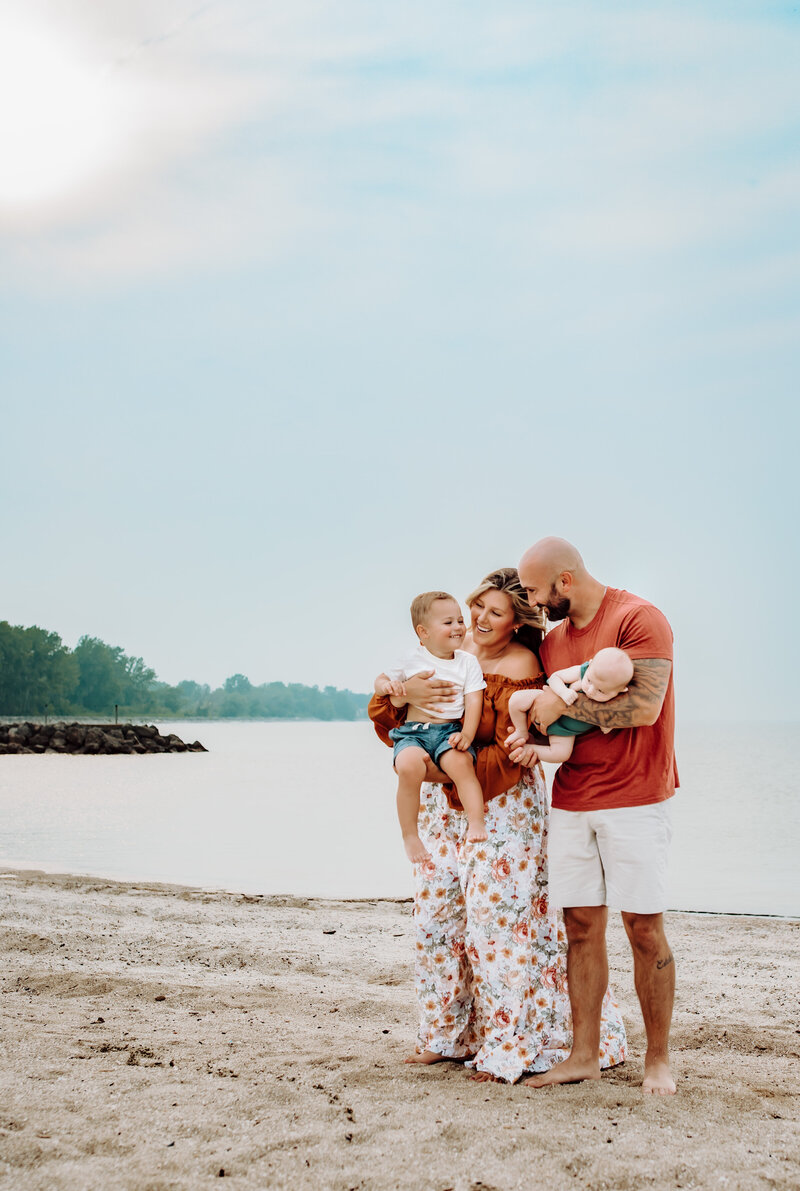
609, 826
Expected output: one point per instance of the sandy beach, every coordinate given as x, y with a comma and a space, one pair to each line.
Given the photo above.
154, 1037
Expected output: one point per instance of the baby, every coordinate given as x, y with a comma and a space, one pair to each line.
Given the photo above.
438, 734
604, 677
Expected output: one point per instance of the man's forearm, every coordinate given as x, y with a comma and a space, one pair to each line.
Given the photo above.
638, 707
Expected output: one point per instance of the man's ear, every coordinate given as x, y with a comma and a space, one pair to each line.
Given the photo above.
565, 579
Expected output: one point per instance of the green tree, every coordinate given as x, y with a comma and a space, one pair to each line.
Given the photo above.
37, 672
108, 676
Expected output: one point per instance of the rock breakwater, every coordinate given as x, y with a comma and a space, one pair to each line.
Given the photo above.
62, 737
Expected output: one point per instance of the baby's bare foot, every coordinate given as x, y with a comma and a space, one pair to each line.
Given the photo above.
416, 851
476, 832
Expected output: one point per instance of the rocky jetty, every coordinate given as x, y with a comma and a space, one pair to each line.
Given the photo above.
91, 738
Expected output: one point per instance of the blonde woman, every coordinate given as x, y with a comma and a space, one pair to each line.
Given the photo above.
490, 961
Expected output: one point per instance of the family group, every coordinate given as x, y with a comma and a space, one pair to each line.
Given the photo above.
511, 895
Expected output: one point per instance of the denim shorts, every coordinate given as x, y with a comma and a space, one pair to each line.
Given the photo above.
433, 738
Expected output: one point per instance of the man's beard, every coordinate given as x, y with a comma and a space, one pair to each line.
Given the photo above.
557, 607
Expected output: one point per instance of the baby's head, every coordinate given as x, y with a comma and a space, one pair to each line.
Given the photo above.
438, 622
608, 675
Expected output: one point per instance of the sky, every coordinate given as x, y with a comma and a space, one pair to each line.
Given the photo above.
308, 307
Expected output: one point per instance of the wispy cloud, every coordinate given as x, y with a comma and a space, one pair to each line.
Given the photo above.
247, 130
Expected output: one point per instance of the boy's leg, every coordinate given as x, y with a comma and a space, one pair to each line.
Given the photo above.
410, 765
461, 768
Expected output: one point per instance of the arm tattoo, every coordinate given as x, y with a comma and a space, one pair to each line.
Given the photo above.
641, 703
664, 963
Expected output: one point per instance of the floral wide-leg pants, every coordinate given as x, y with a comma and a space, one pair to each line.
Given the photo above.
491, 969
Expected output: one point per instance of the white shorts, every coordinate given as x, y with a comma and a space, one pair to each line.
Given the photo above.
615, 858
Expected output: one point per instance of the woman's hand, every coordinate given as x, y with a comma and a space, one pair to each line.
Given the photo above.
521, 749
434, 774
427, 692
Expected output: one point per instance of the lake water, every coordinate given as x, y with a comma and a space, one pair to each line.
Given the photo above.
308, 808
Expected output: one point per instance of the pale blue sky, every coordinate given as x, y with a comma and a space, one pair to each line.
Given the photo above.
328, 304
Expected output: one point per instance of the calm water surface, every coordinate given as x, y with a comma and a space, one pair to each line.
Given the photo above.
308, 808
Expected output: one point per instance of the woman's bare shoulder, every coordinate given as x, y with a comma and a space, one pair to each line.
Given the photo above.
518, 663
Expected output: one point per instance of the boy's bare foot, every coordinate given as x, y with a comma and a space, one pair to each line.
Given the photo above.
426, 1057
658, 1079
570, 1071
476, 833
416, 851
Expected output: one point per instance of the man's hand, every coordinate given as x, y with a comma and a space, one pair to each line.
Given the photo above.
460, 741
546, 710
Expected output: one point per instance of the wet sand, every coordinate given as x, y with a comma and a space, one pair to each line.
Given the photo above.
155, 1036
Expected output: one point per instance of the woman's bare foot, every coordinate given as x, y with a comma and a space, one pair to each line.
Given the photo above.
416, 851
483, 1077
658, 1079
426, 1057
476, 832
570, 1071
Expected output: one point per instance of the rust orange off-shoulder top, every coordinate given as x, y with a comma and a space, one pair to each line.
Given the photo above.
496, 773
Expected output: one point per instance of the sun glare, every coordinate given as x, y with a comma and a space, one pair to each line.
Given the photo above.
60, 118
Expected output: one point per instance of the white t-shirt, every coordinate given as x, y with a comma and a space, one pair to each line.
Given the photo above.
462, 668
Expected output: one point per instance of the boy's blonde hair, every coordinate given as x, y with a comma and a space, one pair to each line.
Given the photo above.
422, 604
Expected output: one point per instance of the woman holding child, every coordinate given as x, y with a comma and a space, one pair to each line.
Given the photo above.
490, 970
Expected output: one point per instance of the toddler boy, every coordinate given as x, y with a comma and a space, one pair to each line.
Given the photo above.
439, 734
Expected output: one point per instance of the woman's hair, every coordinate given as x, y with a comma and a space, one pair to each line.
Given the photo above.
530, 621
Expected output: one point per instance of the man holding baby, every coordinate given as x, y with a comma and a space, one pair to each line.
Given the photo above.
610, 825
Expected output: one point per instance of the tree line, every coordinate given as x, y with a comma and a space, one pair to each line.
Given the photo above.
39, 676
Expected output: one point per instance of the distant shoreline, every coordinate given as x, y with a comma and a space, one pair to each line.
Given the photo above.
149, 718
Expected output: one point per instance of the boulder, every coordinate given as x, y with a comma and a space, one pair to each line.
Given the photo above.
61, 737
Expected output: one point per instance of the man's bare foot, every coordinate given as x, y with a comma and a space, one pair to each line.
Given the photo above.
570, 1071
658, 1079
476, 832
416, 851
426, 1057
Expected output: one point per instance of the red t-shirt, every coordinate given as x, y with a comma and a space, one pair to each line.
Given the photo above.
628, 766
